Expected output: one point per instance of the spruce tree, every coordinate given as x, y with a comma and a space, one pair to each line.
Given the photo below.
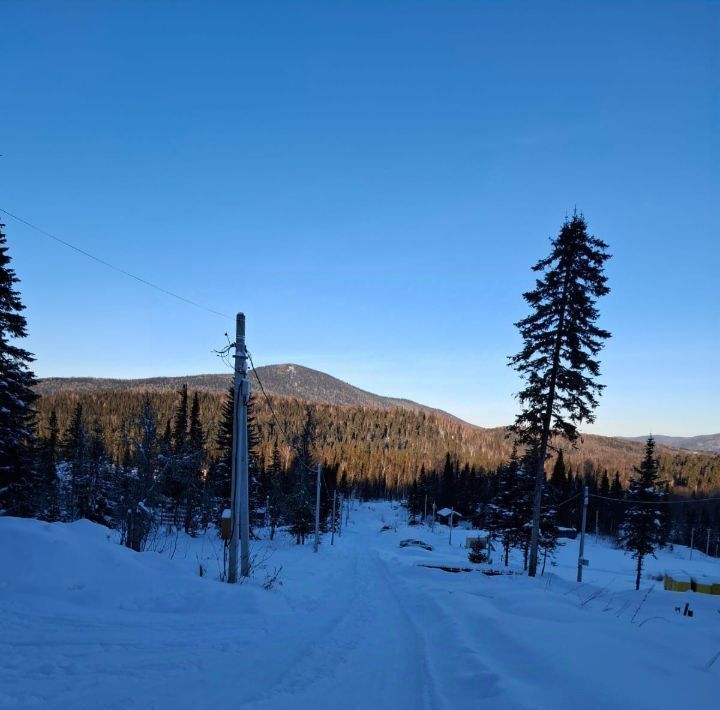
46, 488
16, 396
277, 490
508, 514
180, 424
447, 485
616, 511
220, 473
140, 492
560, 343
300, 503
75, 454
642, 531
96, 504
558, 479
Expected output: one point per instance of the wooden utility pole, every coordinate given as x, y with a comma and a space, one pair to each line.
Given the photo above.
332, 532
342, 503
581, 551
707, 544
597, 524
317, 509
240, 508
432, 527
452, 513
692, 541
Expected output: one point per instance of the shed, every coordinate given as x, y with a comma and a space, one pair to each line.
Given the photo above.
677, 581
448, 514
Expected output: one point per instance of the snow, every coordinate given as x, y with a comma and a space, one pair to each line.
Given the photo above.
445, 512
85, 623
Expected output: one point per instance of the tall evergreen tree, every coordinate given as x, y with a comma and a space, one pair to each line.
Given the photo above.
46, 488
75, 451
299, 505
16, 395
447, 485
180, 425
508, 514
140, 492
642, 531
96, 505
558, 479
560, 343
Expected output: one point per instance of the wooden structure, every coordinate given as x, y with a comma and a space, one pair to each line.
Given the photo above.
677, 581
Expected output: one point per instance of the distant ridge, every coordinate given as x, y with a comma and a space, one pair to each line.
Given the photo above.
412, 434
286, 380
707, 443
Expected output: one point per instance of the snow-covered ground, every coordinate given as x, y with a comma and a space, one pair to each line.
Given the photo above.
85, 623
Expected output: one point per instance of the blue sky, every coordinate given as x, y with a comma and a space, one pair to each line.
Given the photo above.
370, 182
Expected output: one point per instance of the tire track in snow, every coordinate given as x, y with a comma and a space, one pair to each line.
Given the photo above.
371, 658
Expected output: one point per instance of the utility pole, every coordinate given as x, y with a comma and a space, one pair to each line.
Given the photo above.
581, 552
240, 509
707, 544
597, 524
266, 517
332, 532
317, 510
452, 512
692, 541
425, 516
432, 526
342, 503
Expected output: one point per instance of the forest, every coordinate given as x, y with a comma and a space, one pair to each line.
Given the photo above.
388, 445
184, 439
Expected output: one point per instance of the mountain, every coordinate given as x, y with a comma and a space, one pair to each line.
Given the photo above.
287, 380
707, 443
364, 433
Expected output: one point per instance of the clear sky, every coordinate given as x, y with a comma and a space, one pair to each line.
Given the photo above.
370, 183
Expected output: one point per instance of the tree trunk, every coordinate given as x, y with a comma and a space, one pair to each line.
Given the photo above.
639, 570
547, 421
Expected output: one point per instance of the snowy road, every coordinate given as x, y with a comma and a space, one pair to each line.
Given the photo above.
85, 623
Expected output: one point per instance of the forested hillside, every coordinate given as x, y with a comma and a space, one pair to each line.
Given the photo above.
286, 380
389, 445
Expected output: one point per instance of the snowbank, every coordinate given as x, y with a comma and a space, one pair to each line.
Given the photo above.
85, 623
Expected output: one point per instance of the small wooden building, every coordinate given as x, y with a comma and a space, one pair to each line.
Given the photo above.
446, 515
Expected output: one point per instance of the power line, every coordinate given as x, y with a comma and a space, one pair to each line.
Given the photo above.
624, 501
113, 267
567, 500
274, 416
